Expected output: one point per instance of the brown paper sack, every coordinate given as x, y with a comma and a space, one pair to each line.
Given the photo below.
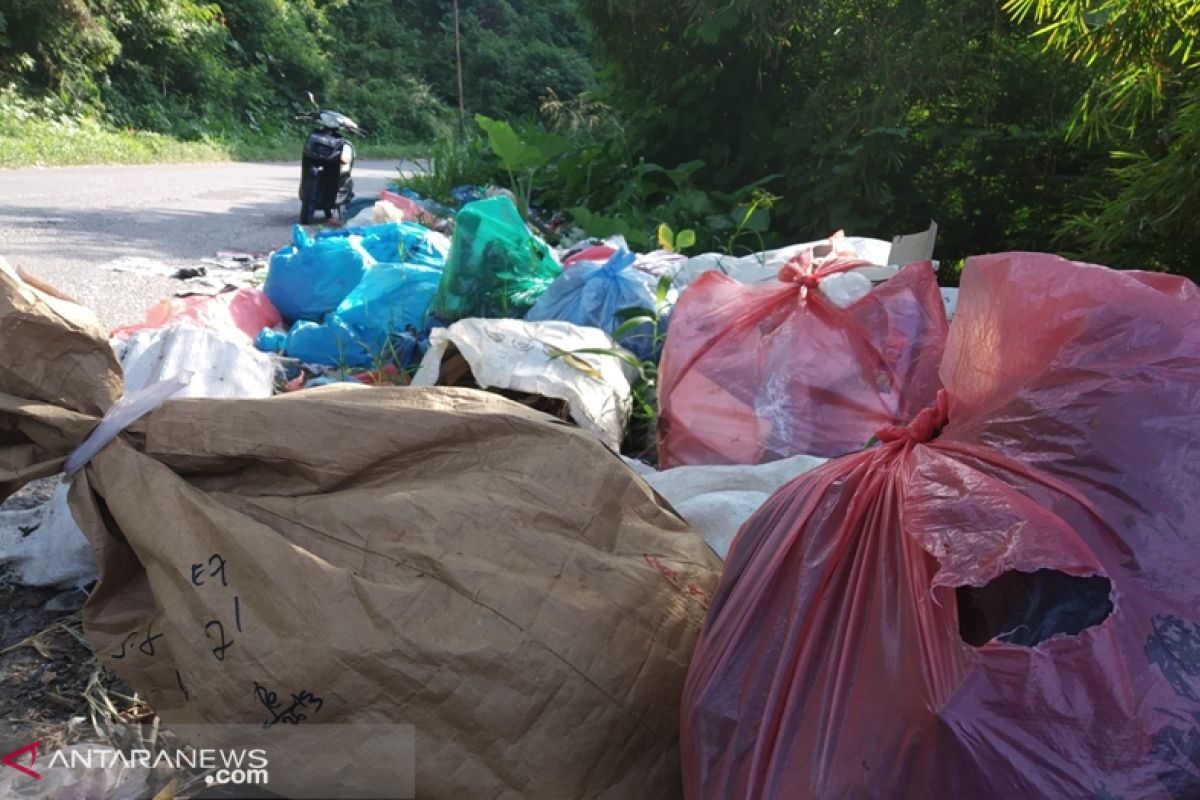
443, 558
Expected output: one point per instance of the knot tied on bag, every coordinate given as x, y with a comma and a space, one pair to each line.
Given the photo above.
925, 427
808, 269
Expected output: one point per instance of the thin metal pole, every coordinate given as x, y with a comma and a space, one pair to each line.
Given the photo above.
462, 112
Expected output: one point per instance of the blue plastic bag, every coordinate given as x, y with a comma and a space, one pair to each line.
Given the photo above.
308, 279
591, 293
405, 242
334, 343
391, 298
270, 340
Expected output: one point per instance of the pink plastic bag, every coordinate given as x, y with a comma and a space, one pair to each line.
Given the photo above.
758, 372
245, 310
1001, 600
413, 211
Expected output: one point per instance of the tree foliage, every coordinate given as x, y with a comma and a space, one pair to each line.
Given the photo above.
880, 114
1142, 101
225, 67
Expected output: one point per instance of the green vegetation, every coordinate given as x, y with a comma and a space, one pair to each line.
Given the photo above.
227, 78
1063, 125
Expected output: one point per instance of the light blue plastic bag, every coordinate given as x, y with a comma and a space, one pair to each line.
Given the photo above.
390, 298
333, 343
405, 242
591, 293
308, 279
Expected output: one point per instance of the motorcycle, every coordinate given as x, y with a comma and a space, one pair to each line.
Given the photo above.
326, 164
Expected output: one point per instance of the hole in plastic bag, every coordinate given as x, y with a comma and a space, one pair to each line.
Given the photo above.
1025, 608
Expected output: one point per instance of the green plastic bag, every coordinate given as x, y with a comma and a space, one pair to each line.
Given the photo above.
496, 268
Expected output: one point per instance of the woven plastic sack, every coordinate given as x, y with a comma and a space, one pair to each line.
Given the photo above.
996, 601
758, 372
308, 279
592, 293
496, 268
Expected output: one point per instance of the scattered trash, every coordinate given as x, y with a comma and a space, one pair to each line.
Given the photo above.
435, 213
309, 278
594, 250
990, 602
532, 362
502, 575
44, 547
591, 294
185, 273
139, 264
715, 501
496, 268
757, 372
245, 310
218, 365
382, 211
765, 266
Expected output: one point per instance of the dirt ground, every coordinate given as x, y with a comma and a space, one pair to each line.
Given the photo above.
45, 666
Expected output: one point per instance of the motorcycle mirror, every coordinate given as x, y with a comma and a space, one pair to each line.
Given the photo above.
312, 99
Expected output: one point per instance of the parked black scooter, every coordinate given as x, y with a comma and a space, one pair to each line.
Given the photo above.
328, 159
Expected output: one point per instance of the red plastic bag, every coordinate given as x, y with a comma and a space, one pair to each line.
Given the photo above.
245, 310
1045, 509
758, 372
413, 210
597, 252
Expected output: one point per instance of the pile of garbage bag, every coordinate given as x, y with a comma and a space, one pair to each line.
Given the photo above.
890, 539
441, 557
1000, 598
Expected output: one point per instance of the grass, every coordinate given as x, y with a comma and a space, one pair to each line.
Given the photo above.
53, 143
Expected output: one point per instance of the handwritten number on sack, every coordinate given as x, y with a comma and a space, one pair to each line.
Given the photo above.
124, 644
216, 566
147, 645
223, 643
292, 715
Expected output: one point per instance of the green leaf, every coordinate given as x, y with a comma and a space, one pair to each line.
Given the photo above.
685, 238
666, 237
630, 325
630, 313
504, 141
601, 226
662, 289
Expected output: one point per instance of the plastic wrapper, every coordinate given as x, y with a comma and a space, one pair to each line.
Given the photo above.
995, 601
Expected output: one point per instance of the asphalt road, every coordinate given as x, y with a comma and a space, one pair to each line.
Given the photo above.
62, 223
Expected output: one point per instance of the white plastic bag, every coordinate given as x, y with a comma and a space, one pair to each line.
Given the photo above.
519, 356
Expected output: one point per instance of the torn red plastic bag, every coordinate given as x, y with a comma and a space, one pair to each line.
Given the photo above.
999, 600
758, 372
244, 310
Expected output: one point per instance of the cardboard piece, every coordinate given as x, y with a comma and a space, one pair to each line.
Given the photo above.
443, 558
